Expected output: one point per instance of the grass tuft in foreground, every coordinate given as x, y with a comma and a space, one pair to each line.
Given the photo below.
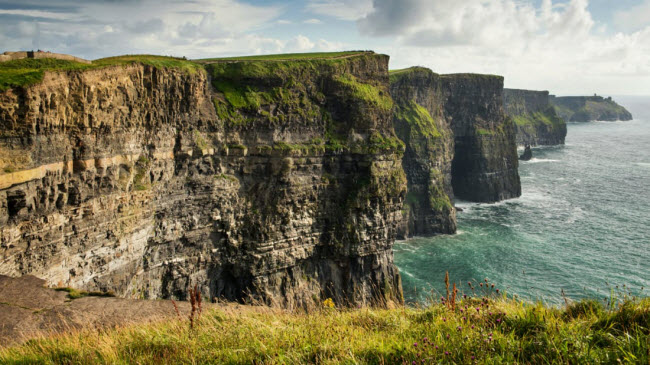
462, 329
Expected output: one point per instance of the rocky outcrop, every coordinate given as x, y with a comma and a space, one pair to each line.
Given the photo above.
485, 164
589, 108
535, 118
527, 155
420, 122
281, 181
458, 143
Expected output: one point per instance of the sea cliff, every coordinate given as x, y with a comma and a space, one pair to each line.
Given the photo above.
589, 108
274, 180
458, 143
535, 118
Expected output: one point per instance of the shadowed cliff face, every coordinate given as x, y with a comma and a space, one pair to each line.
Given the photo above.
458, 142
420, 122
485, 165
536, 120
589, 108
276, 180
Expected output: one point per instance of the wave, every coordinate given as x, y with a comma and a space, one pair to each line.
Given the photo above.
537, 160
642, 164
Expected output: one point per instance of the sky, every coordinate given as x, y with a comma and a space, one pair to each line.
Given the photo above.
569, 47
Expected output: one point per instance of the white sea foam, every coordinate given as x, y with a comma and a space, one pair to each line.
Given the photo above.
642, 164
537, 160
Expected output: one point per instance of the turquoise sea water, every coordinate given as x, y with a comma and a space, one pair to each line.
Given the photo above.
582, 224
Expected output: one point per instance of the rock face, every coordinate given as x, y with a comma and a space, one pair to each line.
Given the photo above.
276, 180
589, 108
420, 122
458, 143
527, 155
485, 165
535, 118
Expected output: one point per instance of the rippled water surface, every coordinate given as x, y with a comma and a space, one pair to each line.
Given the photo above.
582, 224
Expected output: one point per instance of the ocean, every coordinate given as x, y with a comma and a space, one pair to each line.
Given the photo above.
581, 228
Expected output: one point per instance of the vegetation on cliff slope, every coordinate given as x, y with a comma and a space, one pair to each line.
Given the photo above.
547, 118
467, 331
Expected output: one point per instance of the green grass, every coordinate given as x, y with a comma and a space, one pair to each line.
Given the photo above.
484, 132
418, 118
501, 331
25, 72
547, 118
370, 93
287, 56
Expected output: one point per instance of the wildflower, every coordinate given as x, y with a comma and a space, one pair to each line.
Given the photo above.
444, 319
415, 344
446, 352
497, 291
425, 339
436, 347
492, 286
478, 309
465, 296
498, 320
489, 313
461, 310
413, 362
472, 357
459, 328
472, 326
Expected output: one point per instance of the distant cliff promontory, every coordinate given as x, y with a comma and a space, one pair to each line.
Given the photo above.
535, 118
589, 108
458, 141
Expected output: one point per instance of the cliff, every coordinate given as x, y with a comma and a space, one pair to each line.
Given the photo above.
420, 122
589, 108
279, 181
485, 165
535, 118
458, 143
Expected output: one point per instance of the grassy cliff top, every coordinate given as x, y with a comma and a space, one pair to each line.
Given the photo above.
28, 71
287, 56
473, 330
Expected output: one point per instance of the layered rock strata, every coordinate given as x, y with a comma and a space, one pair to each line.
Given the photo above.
278, 181
458, 143
535, 118
420, 122
589, 108
485, 165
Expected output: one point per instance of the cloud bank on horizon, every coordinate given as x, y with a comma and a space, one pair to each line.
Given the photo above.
565, 46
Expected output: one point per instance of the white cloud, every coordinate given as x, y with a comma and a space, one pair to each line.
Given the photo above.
199, 28
556, 46
299, 44
633, 18
341, 9
312, 21
283, 21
